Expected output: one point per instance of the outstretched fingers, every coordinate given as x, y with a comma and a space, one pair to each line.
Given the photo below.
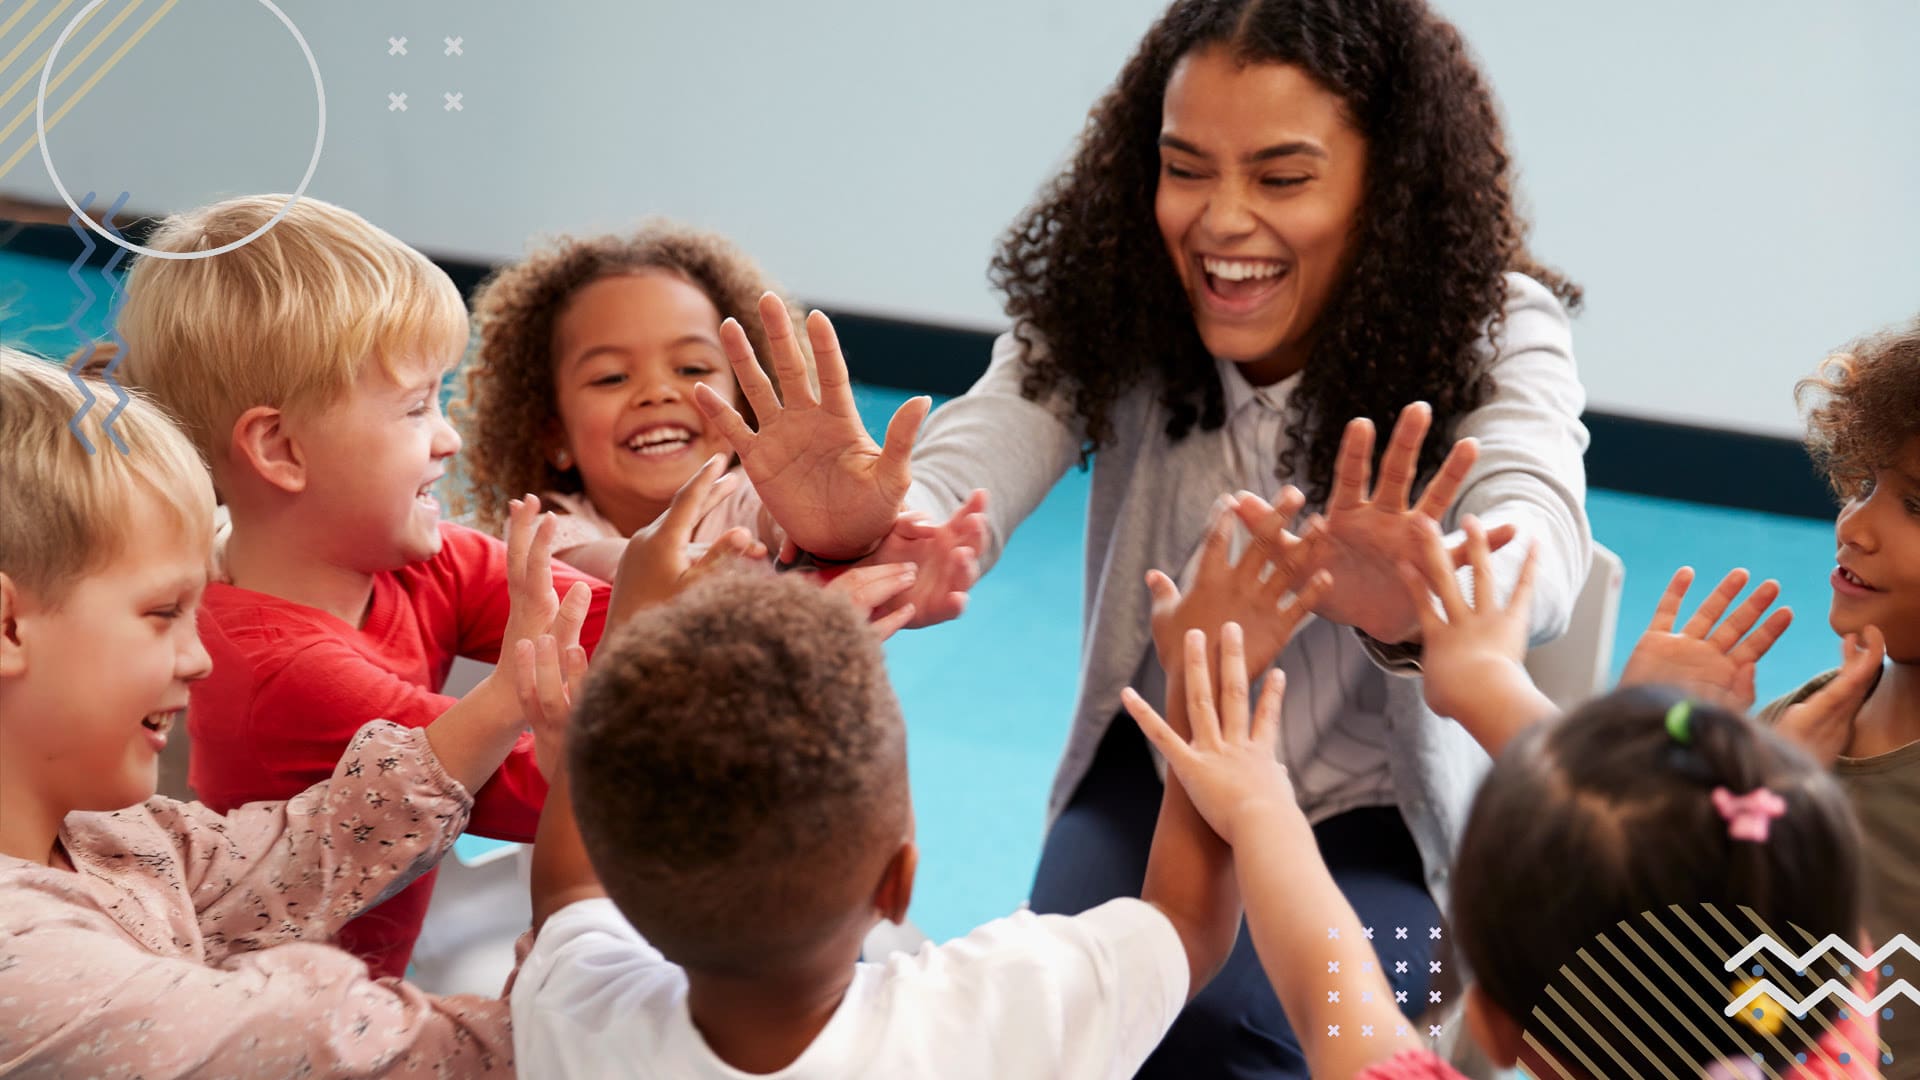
747, 372
1401, 463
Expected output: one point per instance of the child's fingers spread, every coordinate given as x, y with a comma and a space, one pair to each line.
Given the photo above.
1213, 555
1667, 611
896, 454
1151, 725
1440, 579
525, 679
1200, 714
893, 621
747, 372
550, 680
1288, 617
1745, 614
1521, 602
1755, 645
789, 360
722, 415
573, 613
689, 503
829, 363
1233, 682
1715, 604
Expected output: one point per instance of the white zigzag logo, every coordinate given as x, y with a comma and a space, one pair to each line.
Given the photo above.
1832, 987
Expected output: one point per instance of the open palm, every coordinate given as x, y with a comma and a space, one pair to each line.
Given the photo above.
822, 478
1364, 538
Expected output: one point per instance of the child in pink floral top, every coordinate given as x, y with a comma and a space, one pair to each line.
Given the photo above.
146, 937
1614, 870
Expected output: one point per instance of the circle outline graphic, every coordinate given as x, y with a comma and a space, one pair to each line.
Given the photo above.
46, 154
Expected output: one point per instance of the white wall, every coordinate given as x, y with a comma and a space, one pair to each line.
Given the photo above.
1735, 185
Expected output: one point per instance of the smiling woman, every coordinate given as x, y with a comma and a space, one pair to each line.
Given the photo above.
1289, 222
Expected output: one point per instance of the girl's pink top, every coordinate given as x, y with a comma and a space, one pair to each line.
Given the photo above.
188, 943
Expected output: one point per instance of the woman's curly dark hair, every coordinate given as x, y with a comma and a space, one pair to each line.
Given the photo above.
1086, 273
509, 412
1863, 407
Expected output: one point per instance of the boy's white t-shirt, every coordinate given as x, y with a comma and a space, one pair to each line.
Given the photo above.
1042, 996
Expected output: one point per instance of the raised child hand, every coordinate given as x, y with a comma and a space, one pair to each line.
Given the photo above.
1366, 536
878, 591
1823, 723
945, 557
1229, 767
533, 608
817, 471
1472, 649
547, 679
1714, 664
1253, 592
656, 565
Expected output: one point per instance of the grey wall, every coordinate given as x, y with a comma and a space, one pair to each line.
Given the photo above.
1736, 185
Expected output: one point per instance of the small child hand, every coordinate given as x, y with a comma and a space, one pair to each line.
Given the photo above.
1823, 723
1249, 592
1709, 663
1230, 769
547, 681
1462, 641
945, 557
656, 567
878, 592
533, 608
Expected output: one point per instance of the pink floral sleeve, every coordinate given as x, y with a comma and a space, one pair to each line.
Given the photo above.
82, 1002
270, 873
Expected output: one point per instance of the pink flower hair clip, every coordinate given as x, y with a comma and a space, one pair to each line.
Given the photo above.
1749, 816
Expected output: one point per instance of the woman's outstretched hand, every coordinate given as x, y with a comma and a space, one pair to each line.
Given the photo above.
1365, 537
829, 487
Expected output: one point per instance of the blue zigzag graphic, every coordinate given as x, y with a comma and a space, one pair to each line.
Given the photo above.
73, 322
113, 325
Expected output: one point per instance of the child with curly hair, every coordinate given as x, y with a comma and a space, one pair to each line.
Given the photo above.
582, 390
1864, 717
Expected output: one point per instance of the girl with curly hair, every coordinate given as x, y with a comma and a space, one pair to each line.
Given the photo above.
582, 391
1288, 222
1863, 718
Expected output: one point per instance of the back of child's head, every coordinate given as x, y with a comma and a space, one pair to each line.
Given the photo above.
64, 510
1607, 823
510, 410
1863, 407
288, 320
739, 771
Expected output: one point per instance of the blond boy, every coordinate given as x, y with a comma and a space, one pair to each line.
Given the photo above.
306, 366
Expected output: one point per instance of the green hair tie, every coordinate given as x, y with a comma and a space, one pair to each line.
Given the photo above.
1679, 719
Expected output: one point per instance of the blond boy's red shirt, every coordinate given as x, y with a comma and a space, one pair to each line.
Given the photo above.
291, 684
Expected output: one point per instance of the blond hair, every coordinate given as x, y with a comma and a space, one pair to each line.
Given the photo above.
288, 320
64, 503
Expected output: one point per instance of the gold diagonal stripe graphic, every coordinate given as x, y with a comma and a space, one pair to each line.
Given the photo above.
1814, 1047
1704, 1008
1527, 1036
1659, 995
124, 48
33, 73
38, 29
1585, 1061
7, 28
1607, 1015
1620, 991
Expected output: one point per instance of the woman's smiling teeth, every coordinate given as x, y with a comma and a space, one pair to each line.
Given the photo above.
661, 441
1240, 269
